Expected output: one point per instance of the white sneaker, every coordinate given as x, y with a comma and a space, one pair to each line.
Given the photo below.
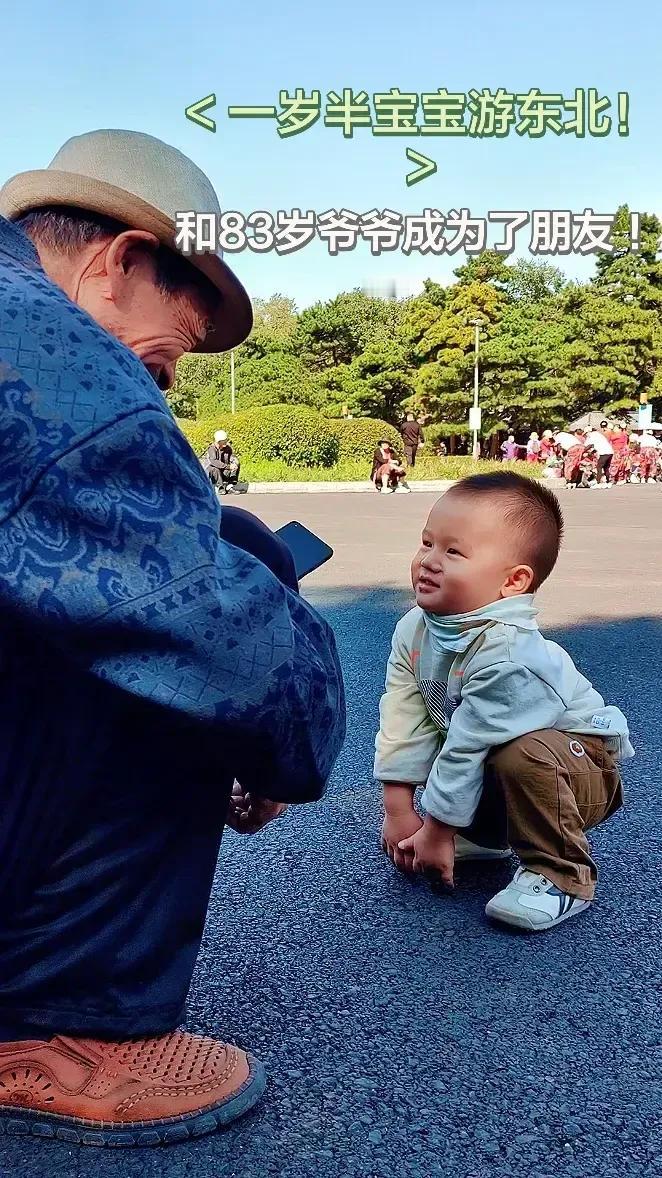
534, 903
465, 851
387, 490
652, 480
402, 490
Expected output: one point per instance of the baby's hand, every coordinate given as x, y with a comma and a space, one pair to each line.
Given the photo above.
432, 848
396, 829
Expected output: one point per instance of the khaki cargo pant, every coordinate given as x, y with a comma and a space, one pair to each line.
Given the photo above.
540, 794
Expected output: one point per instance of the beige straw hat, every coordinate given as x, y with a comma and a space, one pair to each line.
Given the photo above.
142, 182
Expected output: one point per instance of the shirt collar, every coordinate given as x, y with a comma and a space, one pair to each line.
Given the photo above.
456, 632
17, 245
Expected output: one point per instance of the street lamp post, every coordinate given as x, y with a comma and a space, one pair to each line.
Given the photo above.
476, 324
232, 396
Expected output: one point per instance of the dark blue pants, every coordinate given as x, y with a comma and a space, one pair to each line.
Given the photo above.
111, 816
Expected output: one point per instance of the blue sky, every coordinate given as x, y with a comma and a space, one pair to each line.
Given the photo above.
68, 68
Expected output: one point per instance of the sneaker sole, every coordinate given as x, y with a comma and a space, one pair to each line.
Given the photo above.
504, 916
25, 1123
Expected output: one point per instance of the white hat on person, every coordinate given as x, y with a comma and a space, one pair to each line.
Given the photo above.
220, 436
144, 183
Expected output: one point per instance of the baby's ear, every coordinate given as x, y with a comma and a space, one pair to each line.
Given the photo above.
519, 580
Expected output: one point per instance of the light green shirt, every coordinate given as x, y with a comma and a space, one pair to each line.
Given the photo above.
459, 686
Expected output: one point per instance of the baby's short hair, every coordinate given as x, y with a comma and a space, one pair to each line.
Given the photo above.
530, 508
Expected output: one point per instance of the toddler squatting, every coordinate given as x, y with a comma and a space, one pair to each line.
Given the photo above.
514, 747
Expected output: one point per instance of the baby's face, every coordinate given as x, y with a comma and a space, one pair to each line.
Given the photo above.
466, 559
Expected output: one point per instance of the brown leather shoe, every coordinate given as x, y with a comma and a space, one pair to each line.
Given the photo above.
136, 1092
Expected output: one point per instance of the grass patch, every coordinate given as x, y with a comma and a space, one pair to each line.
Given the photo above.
257, 471
429, 467
254, 470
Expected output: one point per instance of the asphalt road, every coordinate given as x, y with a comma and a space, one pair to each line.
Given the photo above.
402, 1034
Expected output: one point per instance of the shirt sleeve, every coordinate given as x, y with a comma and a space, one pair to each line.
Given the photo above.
115, 558
499, 703
408, 739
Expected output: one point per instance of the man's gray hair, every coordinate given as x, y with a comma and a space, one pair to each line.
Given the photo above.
66, 230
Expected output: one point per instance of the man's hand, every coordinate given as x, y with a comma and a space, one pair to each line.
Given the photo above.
248, 813
432, 848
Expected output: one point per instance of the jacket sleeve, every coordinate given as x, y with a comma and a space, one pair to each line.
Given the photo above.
213, 458
408, 739
115, 557
499, 703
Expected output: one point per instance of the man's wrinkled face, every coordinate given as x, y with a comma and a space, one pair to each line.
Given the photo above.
115, 281
160, 327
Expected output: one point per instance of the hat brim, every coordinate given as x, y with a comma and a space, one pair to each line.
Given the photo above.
233, 317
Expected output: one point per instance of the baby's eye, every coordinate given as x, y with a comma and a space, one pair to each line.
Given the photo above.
427, 543
454, 552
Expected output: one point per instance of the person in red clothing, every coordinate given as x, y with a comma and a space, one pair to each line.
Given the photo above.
572, 467
649, 454
547, 445
618, 436
388, 473
633, 458
533, 449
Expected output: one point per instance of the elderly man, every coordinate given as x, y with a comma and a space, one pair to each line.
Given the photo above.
133, 639
222, 465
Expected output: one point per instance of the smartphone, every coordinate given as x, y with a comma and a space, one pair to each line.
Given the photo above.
308, 550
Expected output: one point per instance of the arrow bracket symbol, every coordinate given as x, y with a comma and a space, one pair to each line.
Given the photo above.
194, 112
426, 167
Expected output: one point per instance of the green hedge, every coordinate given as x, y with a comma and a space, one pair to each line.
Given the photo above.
292, 440
359, 436
199, 433
292, 434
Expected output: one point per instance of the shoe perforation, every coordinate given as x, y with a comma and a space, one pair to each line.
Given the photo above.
179, 1057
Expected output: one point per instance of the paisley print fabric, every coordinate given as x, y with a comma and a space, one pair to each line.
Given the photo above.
110, 550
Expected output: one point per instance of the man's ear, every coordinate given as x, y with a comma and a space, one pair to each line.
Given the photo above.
519, 580
125, 253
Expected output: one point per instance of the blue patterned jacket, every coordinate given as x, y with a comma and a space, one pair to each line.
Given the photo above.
111, 561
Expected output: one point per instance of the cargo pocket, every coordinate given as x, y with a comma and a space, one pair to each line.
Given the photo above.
605, 792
